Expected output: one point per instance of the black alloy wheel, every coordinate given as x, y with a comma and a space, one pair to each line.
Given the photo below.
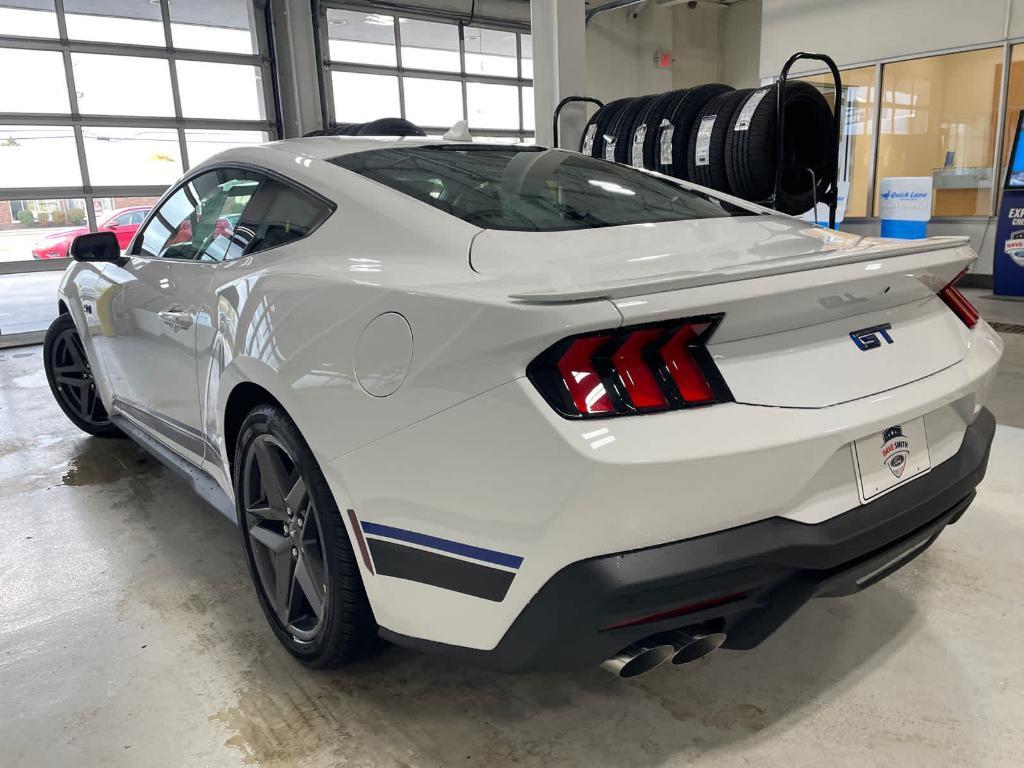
296, 545
70, 376
287, 545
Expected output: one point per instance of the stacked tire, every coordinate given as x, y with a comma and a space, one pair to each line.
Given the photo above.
725, 139
385, 126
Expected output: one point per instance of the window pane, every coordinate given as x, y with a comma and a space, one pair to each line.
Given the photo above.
528, 119
429, 45
31, 18
937, 120
526, 43
122, 85
38, 156
202, 144
114, 21
493, 106
359, 98
44, 89
858, 126
39, 229
197, 222
564, 190
433, 102
213, 25
132, 156
27, 300
365, 38
490, 52
280, 214
220, 90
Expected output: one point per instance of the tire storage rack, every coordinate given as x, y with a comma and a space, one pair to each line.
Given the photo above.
777, 145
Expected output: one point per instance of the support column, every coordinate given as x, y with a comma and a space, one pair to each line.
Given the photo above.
559, 67
292, 35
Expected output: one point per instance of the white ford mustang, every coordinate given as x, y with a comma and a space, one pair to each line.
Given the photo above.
529, 408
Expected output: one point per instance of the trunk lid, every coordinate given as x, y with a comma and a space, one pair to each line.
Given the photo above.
791, 293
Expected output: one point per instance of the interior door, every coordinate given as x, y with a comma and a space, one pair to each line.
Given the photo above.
161, 301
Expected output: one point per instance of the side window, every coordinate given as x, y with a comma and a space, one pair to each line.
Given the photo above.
197, 222
137, 217
122, 220
278, 214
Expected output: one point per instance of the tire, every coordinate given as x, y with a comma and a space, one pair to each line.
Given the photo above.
603, 119
681, 115
388, 126
622, 128
649, 120
69, 374
712, 172
275, 519
751, 157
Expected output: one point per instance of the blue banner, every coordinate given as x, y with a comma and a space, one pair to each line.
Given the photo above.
1008, 259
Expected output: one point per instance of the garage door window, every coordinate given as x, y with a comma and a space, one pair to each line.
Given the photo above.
432, 72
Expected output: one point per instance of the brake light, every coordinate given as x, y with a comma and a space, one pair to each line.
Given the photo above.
959, 303
639, 369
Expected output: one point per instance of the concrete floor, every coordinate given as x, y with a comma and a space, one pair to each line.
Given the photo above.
130, 636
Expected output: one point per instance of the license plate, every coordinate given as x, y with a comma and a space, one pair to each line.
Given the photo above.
891, 458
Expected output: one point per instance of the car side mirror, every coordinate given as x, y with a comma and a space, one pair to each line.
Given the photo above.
96, 246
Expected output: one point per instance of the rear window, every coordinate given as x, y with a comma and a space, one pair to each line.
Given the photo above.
531, 189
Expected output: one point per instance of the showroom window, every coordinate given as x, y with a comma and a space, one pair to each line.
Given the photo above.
859, 103
90, 123
938, 117
103, 104
430, 72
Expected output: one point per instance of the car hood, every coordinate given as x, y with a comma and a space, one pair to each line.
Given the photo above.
64, 234
640, 258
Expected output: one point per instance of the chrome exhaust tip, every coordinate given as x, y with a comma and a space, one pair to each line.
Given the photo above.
689, 648
638, 659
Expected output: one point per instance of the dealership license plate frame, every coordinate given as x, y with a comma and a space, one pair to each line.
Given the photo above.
874, 478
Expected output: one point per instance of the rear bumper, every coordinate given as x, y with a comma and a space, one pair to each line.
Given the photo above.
750, 578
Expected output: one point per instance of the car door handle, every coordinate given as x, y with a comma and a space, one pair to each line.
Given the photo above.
177, 319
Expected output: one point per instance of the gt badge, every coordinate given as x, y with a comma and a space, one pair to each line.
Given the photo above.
872, 338
895, 450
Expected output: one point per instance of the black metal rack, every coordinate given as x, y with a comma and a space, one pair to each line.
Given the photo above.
831, 197
832, 194
558, 113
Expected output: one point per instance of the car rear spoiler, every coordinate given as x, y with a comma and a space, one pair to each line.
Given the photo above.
877, 250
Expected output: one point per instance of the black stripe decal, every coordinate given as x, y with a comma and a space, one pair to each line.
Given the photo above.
174, 431
437, 570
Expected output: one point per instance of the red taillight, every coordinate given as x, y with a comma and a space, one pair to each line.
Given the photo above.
640, 369
576, 367
956, 301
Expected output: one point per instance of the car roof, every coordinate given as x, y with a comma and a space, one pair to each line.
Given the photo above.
326, 147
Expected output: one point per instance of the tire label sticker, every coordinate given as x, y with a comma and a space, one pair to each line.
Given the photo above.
609, 147
667, 131
637, 155
588, 139
702, 152
747, 113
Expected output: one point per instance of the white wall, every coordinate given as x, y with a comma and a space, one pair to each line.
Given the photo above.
741, 44
621, 45
858, 31
697, 45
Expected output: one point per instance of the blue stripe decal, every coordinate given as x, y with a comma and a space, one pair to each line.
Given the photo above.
466, 550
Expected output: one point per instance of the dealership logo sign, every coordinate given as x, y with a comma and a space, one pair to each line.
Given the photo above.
1014, 247
895, 450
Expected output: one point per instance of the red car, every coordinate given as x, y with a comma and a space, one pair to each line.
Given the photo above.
123, 223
